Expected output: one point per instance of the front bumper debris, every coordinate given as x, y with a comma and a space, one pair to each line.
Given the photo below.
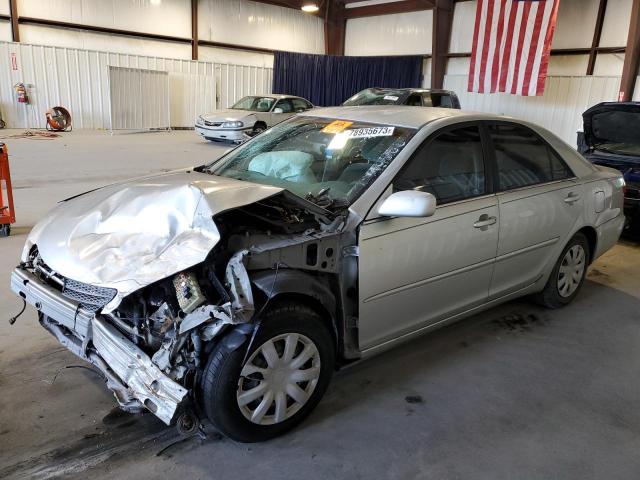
130, 373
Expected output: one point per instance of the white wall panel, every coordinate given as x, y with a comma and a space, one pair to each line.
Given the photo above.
458, 66
636, 93
4, 7
559, 110
139, 99
616, 23
227, 55
5, 31
63, 37
397, 34
426, 73
576, 22
464, 17
78, 80
609, 64
242, 22
167, 17
568, 65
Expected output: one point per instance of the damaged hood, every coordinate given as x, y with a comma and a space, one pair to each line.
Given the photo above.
129, 235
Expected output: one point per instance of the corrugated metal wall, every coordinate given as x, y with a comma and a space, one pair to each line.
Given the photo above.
559, 110
139, 99
78, 80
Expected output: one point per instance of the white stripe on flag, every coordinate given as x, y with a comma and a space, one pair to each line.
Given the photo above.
514, 46
503, 43
492, 45
533, 85
480, 43
526, 46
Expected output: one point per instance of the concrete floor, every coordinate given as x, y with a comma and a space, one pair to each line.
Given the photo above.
517, 392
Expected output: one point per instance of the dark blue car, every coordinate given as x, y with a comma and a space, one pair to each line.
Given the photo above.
611, 137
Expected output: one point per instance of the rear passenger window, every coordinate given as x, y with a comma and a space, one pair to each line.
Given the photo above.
299, 105
523, 159
449, 166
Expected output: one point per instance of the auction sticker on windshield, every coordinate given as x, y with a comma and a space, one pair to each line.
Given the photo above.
370, 132
336, 126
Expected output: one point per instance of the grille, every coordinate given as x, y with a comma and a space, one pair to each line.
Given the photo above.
212, 124
91, 297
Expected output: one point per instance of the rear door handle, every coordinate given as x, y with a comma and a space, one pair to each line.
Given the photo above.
485, 221
572, 198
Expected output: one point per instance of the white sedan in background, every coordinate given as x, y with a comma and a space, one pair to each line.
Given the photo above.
249, 116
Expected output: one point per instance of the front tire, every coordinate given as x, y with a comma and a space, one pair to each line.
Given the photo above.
568, 274
285, 374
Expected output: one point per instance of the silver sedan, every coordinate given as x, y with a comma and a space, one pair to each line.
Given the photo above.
239, 286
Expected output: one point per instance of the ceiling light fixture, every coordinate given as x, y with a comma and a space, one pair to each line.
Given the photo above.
310, 7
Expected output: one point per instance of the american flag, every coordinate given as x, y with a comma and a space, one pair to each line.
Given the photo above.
511, 45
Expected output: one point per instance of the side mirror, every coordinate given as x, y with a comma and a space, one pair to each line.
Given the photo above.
408, 203
278, 110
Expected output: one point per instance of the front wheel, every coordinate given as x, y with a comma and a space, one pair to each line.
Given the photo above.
285, 374
568, 274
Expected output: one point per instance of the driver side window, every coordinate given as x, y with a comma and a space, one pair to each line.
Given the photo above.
450, 166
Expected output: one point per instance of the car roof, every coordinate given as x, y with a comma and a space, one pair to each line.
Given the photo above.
397, 115
412, 90
276, 95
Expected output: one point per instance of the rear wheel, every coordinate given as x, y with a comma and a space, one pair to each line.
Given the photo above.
285, 374
568, 274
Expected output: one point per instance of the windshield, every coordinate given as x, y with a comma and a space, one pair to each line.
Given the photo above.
374, 96
327, 161
254, 104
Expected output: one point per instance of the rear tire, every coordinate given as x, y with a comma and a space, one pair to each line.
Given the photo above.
273, 411
568, 274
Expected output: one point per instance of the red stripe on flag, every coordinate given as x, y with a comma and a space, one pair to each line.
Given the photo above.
474, 48
506, 54
533, 48
486, 43
496, 52
544, 61
523, 31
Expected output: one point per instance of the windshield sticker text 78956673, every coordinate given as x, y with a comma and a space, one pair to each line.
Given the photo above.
370, 132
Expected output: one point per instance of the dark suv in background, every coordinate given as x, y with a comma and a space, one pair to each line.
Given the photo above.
416, 97
611, 137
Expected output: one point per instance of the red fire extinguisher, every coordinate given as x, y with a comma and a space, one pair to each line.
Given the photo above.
21, 93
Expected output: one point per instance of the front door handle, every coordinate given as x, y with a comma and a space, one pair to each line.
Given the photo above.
485, 221
572, 198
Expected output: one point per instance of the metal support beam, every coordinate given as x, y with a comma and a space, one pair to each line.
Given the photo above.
401, 6
335, 25
597, 33
442, 21
15, 29
194, 29
632, 55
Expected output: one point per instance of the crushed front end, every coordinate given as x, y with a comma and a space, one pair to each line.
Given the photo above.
152, 344
148, 349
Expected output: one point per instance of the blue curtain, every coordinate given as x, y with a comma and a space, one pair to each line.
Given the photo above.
328, 80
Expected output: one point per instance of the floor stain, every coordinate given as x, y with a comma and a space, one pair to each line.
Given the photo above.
414, 399
518, 322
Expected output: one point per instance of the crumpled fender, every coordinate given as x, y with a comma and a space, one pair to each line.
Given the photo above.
295, 281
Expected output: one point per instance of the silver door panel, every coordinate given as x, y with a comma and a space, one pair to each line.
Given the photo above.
414, 271
534, 224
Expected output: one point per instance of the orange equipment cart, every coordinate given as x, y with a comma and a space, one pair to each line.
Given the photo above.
7, 213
